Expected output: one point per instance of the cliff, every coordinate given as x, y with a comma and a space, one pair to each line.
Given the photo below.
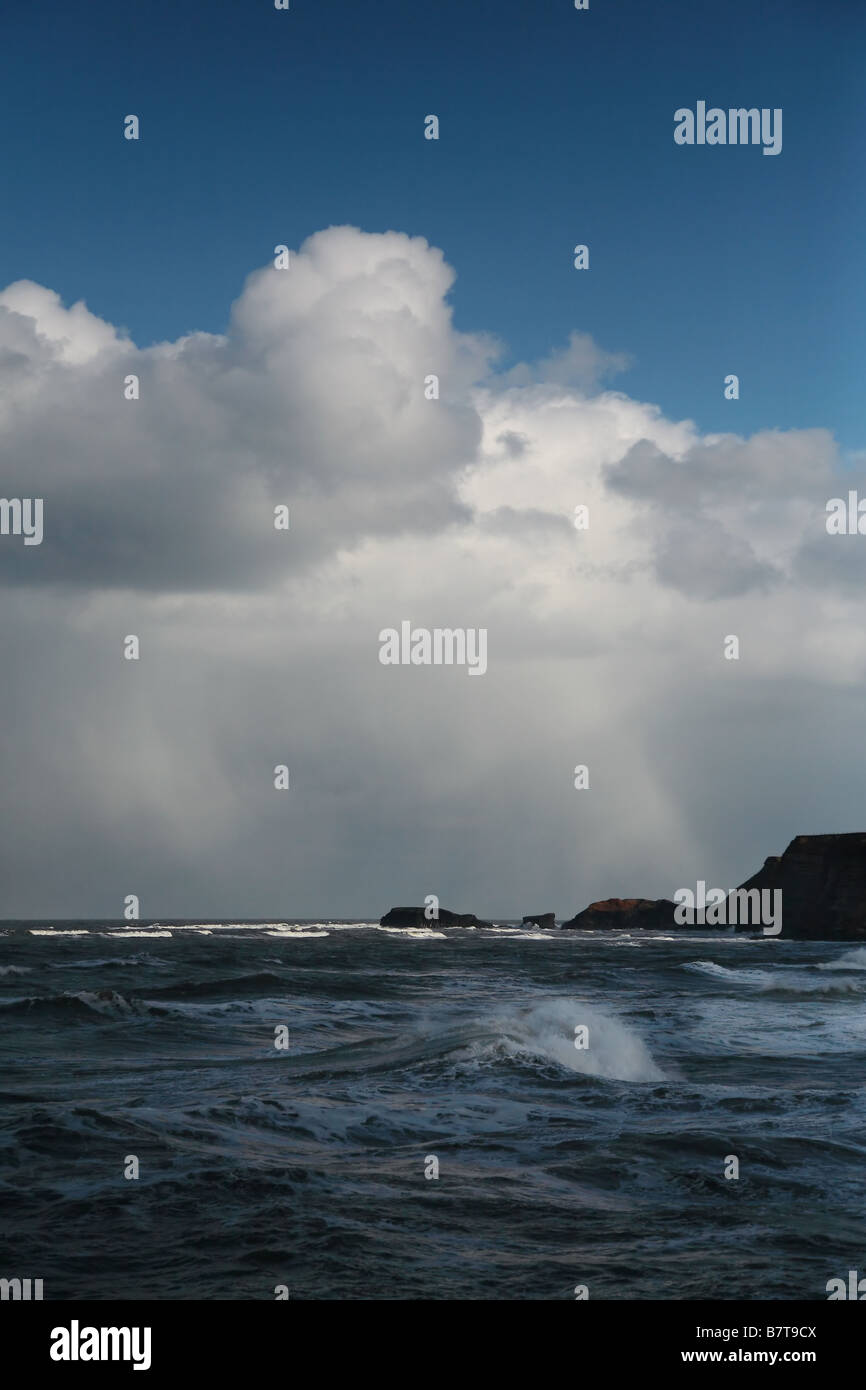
822, 880
823, 883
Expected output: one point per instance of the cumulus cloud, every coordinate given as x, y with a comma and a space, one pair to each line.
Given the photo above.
582, 365
730, 514
310, 399
67, 335
260, 647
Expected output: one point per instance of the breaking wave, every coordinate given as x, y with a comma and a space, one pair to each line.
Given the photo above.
547, 1033
793, 982
852, 960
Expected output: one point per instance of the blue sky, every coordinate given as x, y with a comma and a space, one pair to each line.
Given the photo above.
261, 127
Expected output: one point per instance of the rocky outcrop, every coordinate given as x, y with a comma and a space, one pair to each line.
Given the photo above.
415, 917
823, 884
822, 879
624, 913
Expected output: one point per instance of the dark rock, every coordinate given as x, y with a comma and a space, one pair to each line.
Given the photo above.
541, 919
822, 879
823, 883
414, 917
625, 914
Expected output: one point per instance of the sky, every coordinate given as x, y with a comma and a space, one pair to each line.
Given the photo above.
602, 387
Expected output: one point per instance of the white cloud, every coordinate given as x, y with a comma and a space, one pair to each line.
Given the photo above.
258, 647
69, 335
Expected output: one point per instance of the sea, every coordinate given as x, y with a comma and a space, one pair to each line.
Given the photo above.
336, 1110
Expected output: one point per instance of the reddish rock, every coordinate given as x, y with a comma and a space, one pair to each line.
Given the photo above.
625, 914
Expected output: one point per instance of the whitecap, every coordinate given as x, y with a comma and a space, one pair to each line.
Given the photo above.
52, 931
547, 1032
852, 960
161, 932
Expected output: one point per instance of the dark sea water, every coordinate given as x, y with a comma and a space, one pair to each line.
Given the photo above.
305, 1167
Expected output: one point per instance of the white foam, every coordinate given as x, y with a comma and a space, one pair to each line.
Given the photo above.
51, 931
724, 972
106, 1001
852, 960
161, 932
782, 979
352, 926
547, 1031
297, 933
213, 926
518, 934
423, 932
790, 985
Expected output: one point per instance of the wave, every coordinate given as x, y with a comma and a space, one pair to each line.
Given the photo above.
822, 987
110, 1003
14, 970
209, 926
265, 927
232, 985
108, 962
296, 932
146, 932
422, 933
337, 926
546, 1033
106, 1002
852, 960
52, 931
520, 934
726, 972
775, 982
